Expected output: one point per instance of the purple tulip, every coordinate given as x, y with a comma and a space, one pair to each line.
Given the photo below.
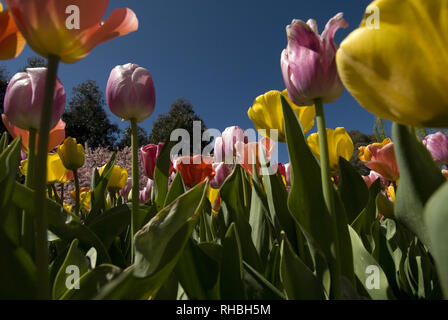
288, 174
372, 177
130, 92
24, 99
309, 64
124, 193
145, 194
224, 150
149, 155
437, 144
222, 171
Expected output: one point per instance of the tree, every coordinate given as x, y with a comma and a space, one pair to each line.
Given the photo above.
181, 115
35, 62
142, 138
86, 120
360, 139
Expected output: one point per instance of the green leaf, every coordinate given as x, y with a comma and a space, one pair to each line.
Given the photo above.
306, 201
260, 227
436, 219
166, 234
74, 259
90, 283
257, 287
419, 179
299, 282
111, 224
368, 271
63, 224
198, 270
17, 276
232, 287
98, 187
9, 161
232, 200
161, 174
3, 141
177, 188
353, 190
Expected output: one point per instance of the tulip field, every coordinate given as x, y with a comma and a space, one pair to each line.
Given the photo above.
232, 223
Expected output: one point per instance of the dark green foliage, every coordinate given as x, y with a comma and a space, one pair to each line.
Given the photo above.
181, 115
142, 137
86, 118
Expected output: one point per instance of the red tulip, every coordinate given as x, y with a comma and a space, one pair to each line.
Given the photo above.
383, 161
194, 169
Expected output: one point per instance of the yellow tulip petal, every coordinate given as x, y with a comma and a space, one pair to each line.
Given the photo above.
399, 70
267, 113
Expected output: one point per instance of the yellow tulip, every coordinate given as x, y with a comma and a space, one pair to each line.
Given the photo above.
398, 71
267, 113
213, 197
339, 145
117, 179
56, 172
72, 154
85, 197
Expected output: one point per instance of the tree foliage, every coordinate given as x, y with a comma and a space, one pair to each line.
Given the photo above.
142, 138
181, 115
86, 118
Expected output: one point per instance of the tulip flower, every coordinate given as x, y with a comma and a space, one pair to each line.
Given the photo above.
382, 160
130, 92
72, 154
57, 134
149, 155
437, 144
214, 199
308, 62
24, 99
56, 171
194, 169
43, 23
396, 76
445, 173
85, 197
117, 179
124, 193
224, 149
372, 177
145, 194
366, 155
288, 174
267, 113
12, 41
249, 154
339, 145
222, 171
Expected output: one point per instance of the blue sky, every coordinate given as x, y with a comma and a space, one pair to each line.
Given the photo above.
217, 54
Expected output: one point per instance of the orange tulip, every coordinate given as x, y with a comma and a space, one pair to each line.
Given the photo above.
12, 41
51, 27
57, 134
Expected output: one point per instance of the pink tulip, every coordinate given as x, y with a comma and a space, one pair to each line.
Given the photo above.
51, 26
149, 155
222, 171
372, 177
383, 161
130, 92
24, 99
145, 194
248, 154
437, 144
225, 145
124, 193
308, 62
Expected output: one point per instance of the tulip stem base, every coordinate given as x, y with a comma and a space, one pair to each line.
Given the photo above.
328, 192
40, 182
27, 219
135, 184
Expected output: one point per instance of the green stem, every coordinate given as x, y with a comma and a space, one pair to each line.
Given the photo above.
27, 219
135, 184
78, 200
40, 179
328, 191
